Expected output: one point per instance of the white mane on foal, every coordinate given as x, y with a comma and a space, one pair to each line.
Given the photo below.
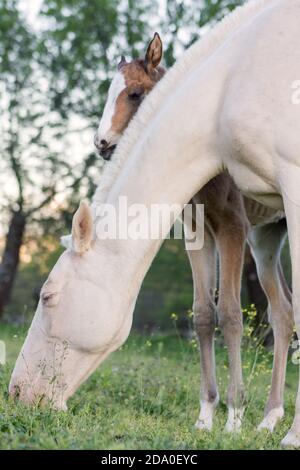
198, 52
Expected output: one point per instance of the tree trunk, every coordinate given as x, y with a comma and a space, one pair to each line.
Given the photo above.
10, 258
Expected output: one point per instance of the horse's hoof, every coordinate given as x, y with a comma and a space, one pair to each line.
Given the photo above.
203, 425
291, 440
271, 419
234, 421
233, 428
205, 420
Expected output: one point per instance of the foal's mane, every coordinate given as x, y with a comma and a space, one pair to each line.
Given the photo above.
196, 54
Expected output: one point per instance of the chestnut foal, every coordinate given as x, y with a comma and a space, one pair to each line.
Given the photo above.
230, 220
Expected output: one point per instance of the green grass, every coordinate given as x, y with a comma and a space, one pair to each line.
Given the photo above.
145, 396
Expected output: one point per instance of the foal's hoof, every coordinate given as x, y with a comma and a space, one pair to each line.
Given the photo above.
291, 440
271, 419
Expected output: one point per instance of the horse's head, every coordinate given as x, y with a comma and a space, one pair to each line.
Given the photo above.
131, 84
78, 322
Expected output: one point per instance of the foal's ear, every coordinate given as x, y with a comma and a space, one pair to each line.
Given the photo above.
82, 228
122, 62
154, 53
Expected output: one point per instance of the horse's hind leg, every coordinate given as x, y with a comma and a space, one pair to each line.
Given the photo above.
284, 284
266, 243
203, 264
231, 237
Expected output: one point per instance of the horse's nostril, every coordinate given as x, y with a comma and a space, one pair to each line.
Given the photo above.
103, 143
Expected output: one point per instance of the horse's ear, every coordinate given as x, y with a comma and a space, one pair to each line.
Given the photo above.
154, 53
82, 228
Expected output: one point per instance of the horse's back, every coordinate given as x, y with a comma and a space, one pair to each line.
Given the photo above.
259, 122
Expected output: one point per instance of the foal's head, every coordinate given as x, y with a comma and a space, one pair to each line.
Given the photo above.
130, 85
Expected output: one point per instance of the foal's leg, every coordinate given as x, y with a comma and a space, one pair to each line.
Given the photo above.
266, 243
231, 238
203, 264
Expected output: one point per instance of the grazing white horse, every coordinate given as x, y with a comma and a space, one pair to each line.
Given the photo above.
232, 110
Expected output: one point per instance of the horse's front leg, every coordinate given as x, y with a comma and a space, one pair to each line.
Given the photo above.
266, 243
231, 237
203, 264
292, 210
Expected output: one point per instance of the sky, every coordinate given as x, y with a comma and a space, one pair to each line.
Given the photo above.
30, 8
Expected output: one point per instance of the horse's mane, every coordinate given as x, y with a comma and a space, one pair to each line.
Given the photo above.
198, 52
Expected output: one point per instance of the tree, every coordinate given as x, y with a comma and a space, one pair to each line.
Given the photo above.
30, 170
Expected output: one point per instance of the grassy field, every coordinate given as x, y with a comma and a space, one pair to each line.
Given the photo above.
145, 396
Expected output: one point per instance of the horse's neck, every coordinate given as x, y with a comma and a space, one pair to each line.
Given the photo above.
176, 154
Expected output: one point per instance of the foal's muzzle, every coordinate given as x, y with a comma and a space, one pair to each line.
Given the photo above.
107, 152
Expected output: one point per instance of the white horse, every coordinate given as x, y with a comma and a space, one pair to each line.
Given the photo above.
232, 110
229, 219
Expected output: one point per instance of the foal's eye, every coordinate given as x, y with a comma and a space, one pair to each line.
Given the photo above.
135, 96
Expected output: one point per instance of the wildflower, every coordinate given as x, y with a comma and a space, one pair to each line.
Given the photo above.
296, 357
193, 343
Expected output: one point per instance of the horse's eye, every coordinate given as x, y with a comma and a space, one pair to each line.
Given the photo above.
135, 96
49, 299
